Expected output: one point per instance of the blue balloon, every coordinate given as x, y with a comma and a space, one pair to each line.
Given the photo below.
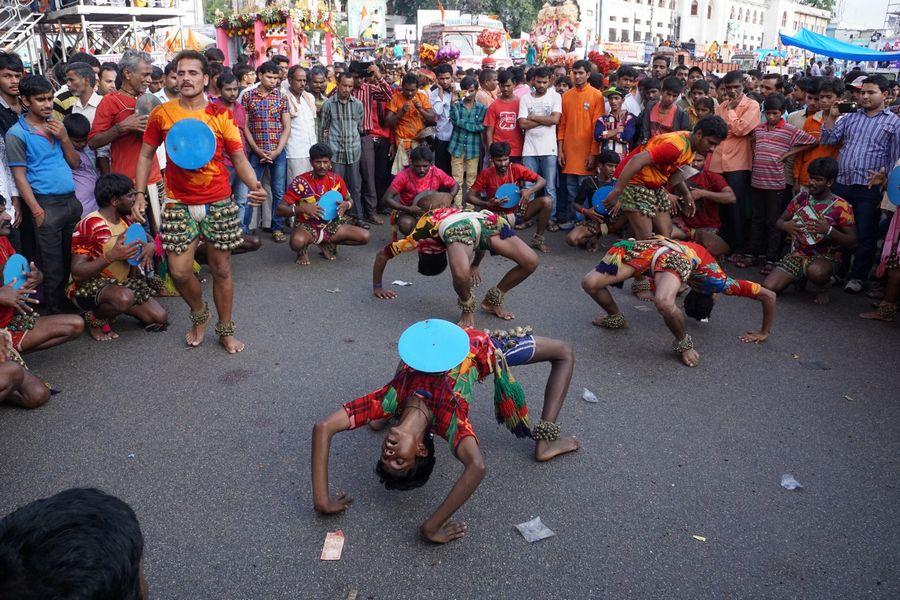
191, 144
893, 186
135, 233
511, 192
433, 345
17, 268
329, 202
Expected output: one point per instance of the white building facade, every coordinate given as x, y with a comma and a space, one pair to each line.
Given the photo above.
744, 25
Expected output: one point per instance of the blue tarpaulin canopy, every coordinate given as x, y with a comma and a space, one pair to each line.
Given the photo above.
822, 44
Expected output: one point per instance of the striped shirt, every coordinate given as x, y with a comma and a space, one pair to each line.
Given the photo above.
769, 145
869, 144
370, 94
341, 122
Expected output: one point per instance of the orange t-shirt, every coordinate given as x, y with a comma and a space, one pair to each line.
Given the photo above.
410, 124
211, 182
580, 110
813, 126
668, 152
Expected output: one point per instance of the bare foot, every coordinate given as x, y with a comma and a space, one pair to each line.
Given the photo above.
230, 343
328, 251
544, 450
690, 358
497, 310
645, 296
102, 334
449, 531
466, 320
591, 246
822, 298
194, 337
475, 272
302, 257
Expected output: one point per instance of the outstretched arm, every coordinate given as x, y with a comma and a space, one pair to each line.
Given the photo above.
323, 431
767, 298
381, 260
439, 528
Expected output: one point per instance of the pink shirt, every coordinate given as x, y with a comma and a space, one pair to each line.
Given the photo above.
735, 152
408, 186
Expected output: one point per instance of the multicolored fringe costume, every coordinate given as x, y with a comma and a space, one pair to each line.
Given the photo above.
691, 262
447, 225
448, 394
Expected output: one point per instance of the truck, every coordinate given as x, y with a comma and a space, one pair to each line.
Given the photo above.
462, 33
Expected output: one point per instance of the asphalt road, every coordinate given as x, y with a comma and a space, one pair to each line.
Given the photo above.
212, 451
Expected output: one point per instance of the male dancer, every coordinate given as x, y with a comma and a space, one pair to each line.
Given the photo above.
483, 193
300, 202
423, 403
199, 201
463, 234
672, 265
104, 285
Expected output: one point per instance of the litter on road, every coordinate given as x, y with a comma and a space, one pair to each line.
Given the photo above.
534, 530
334, 545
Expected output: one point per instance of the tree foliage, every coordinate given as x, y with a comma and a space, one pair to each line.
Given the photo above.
824, 4
210, 7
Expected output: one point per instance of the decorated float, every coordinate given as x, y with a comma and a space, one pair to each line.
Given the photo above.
303, 32
555, 33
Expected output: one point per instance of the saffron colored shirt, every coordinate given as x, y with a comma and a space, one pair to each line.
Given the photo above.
735, 153
211, 182
412, 123
581, 107
124, 150
408, 185
770, 143
668, 152
813, 126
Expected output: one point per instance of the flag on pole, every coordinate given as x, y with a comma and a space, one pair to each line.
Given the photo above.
365, 22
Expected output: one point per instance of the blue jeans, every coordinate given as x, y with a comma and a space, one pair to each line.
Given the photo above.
278, 177
866, 204
545, 166
573, 183
239, 191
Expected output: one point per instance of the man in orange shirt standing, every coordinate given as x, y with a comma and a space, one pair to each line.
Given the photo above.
199, 203
577, 149
408, 113
733, 159
829, 90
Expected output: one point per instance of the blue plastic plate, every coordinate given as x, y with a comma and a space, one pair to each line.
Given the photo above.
16, 268
135, 233
433, 345
598, 198
329, 202
511, 192
893, 186
191, 144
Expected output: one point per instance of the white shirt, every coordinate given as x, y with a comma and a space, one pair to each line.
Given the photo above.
633, 104
540, 140
303, 124
88, 110
440, 103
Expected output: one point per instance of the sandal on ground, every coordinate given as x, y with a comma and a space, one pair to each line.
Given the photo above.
552, 226
279, 236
